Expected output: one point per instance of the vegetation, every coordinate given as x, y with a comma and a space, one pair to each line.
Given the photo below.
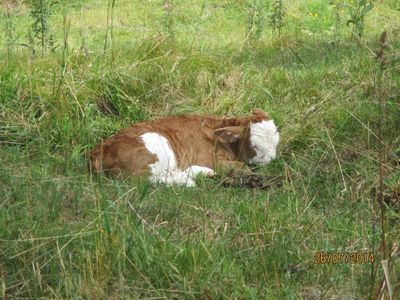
40, 32
358, 11
276, 16
64, 234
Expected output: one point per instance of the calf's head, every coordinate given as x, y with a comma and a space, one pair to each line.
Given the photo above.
254, 140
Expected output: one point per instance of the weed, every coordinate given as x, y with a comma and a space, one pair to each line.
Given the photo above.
168, 22
9, 31
255, 20
110, 30
276, 16
338, 19
358, 11
40, 32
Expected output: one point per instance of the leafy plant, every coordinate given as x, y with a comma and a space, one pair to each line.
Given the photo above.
255, 20
110, 29
338, 19
168, 23
358, 13
276, 16
40, 32
9, 30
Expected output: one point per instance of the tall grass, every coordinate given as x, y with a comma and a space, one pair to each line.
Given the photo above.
67, 235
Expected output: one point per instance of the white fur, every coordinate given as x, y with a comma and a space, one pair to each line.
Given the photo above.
165, 170
264, 138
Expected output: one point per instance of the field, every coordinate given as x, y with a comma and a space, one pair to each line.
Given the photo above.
98, 66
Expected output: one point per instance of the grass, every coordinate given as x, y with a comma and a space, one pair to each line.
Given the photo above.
66, 235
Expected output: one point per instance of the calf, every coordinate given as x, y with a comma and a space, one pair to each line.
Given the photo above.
174, 149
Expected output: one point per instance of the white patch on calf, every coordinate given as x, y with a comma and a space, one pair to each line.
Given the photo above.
165, 170
264, 138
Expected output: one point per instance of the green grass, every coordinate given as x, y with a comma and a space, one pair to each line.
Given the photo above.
66, 235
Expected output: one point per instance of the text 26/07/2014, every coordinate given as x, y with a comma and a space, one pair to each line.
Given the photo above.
343, 257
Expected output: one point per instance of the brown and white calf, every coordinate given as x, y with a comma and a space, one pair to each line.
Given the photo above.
174, 149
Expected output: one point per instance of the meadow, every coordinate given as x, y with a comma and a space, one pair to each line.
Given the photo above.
74, 72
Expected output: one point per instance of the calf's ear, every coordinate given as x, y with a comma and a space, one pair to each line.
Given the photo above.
259, 115
229, 134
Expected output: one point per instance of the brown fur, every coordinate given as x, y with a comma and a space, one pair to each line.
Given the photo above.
207, 141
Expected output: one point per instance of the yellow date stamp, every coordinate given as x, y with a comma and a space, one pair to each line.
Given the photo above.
343, 257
